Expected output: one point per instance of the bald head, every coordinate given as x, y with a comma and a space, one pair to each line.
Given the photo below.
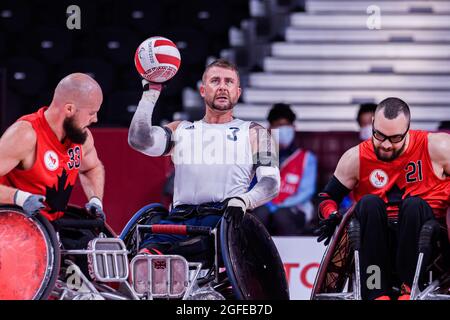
74, 107
78, 89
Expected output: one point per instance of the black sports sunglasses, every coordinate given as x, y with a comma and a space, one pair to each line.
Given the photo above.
396, 138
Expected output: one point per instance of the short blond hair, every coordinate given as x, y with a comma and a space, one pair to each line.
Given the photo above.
221, 63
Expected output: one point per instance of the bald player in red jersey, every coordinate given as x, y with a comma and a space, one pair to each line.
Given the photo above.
42, 153
400, 179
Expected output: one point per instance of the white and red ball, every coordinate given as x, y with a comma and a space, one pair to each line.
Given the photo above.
157, 59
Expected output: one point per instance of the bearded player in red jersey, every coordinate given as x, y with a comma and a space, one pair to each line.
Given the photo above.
42, 153
400, 179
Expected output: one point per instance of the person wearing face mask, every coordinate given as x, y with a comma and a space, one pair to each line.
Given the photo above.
364, 118
291, 211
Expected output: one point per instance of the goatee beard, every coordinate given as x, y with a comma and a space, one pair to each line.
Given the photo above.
394, 155
75, 134
227, 107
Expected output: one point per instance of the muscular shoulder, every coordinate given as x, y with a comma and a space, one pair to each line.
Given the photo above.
257, 130
351, 155
20, 136
347, 170
16, 146
439, 146
258, 134
256, 126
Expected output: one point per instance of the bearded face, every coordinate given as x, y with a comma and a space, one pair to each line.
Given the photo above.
75, 133
221, 89
388, 153
221, 101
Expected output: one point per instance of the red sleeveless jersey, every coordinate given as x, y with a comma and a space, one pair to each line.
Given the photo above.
411, 174
54, 171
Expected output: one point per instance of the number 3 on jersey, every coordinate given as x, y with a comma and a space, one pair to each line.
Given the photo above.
74, 158
414, 171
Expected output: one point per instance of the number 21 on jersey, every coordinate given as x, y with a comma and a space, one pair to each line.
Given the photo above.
414, 171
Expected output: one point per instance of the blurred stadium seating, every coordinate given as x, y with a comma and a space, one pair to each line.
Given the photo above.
37, 49
330, 59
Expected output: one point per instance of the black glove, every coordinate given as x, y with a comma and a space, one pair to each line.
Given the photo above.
33, 204
94, 207
235, 211
326, 228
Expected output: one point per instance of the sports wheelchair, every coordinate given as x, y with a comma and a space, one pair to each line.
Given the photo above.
79, 257
338, 277
211, 264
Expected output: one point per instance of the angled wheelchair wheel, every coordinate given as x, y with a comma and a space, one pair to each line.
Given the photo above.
252, 261
335, 270
438, 270
29, 256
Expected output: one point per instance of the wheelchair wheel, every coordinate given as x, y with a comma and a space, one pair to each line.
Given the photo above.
149, 214
336, 268
29, 256
252, 261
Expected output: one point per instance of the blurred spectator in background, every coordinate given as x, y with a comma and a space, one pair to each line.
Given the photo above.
290, 213
444, 126
364, 118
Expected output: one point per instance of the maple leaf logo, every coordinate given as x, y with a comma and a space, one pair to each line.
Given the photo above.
57, 197
379, 177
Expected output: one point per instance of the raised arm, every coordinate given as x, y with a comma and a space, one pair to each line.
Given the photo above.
143, 136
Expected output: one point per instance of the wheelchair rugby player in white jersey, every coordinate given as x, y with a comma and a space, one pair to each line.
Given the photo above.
215, 160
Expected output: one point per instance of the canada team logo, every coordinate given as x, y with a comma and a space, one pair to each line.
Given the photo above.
378, 178
51, 160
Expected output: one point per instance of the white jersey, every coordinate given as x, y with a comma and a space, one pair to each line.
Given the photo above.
212, 161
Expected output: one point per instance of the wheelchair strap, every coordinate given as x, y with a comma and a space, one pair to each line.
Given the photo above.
186, 211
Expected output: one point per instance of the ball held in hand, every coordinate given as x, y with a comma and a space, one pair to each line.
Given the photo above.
157, 59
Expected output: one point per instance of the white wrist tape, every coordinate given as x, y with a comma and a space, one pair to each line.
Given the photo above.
97, 201
150, 97
20, 197
240, 203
